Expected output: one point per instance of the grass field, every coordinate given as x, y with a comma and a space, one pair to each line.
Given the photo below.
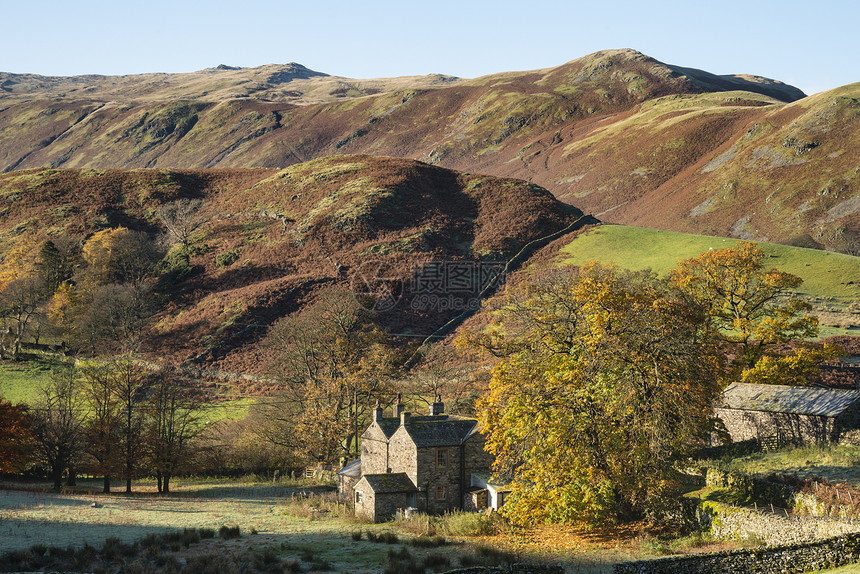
20, 382
831, 281
267, 517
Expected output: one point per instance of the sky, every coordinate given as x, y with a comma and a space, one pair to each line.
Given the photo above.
811, 45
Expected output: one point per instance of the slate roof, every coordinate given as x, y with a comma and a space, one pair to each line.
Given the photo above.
388, 426
440, 430
396, 482
780, 398
352, 470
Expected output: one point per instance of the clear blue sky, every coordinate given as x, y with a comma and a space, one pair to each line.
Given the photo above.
811, 45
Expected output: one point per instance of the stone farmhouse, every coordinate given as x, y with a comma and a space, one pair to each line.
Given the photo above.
776, 415
432, 463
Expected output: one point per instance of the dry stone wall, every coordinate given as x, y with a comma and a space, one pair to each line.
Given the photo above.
787, 559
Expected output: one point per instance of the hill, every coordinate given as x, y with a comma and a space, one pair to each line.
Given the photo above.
272, 239
830, 280
616, 133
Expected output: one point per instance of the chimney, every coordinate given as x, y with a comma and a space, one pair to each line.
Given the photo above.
438, 407
377, 413
404, 417
398, 407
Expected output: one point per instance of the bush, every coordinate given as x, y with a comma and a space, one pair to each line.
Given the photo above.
227, 258
228, 532
356, 535
428, 541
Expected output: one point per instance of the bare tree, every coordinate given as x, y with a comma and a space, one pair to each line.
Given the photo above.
128, 382
19, 301
175, 419
58, 423
181, 218
103, 427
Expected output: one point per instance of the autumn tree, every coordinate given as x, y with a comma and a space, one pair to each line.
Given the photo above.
799, 367
751, 308
58, 422
334, 364
15, 436
605, 380
119, 255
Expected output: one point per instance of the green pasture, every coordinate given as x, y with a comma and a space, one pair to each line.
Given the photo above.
831, 281
20, 383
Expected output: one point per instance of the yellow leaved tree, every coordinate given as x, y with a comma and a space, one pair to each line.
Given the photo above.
606, 379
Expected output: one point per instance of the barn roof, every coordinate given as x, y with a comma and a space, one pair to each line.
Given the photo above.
780, 398
396, 482
440, 430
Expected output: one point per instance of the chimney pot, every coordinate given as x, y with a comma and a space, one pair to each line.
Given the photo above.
404, 417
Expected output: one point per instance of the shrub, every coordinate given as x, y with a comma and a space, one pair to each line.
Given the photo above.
494, 557
228, 532
356, 535
227, 258
436, 561
428, 541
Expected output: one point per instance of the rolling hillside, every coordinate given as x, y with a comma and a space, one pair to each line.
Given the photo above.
272, 239
615, 133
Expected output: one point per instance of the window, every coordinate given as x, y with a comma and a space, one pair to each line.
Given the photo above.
441, 458
441, 492
359, 497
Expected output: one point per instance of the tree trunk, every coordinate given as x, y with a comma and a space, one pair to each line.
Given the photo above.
166, 484
106, 489
70, 479
158, 480
57, 474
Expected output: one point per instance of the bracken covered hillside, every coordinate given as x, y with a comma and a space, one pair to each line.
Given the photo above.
616, 133
272, 239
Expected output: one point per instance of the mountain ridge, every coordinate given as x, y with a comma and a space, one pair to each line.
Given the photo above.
616, 133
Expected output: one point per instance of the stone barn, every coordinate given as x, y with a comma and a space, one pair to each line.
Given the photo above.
420, 462
776, 415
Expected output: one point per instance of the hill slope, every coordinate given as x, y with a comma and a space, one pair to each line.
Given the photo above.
357, 222
616, 133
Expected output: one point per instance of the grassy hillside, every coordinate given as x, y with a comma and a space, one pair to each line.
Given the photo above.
272, 239
831, 281
616, 133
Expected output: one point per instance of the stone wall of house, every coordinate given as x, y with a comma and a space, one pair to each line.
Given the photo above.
401, 454
374, 451
786, 427
365, 509
476, 458
431, 476
387, 504
787, 559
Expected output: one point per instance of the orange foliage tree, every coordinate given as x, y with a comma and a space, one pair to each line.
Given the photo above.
751, 308
605, 380
15, 436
